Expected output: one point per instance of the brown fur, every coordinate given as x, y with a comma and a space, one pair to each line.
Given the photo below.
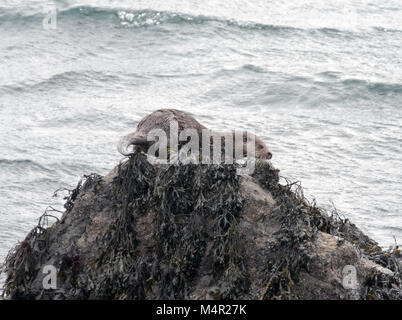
161, 119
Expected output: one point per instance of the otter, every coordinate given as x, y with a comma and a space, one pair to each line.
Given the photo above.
162, 119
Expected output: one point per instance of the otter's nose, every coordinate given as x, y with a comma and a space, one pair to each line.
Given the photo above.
269, 155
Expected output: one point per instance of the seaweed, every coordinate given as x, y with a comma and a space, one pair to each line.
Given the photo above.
194, 212
121, 274
192, 215
21, 263
191, 206
300, 221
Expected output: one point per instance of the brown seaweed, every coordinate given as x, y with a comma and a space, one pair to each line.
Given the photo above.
195, 210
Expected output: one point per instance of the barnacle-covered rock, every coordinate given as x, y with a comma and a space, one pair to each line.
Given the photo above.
198, 232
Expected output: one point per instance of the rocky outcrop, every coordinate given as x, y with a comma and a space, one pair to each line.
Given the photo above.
198, 232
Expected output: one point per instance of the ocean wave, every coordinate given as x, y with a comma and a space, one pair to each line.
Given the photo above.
51, 168
336, 80
85, 78
135, 18
328, 79
25, 164
381, 88
142, 18
147, 17
387, 30
64, 79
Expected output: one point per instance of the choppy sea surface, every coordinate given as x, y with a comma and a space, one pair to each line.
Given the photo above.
319, 81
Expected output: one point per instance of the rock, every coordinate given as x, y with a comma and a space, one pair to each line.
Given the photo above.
198, 232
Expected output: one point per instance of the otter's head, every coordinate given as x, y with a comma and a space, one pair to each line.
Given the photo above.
135, 139
261, 150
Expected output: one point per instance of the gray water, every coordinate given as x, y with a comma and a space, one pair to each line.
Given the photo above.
319, 81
